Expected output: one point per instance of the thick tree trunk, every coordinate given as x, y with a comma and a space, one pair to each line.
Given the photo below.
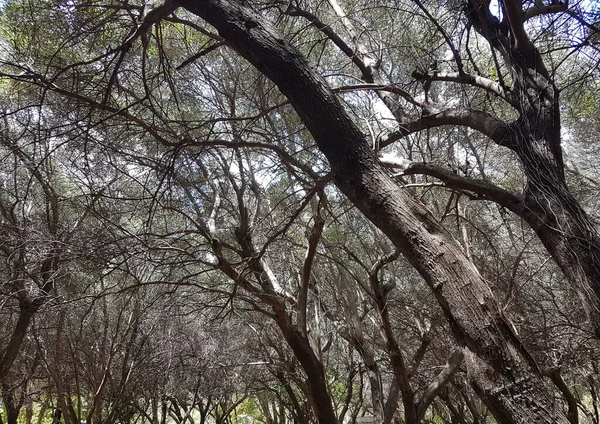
558, 219
563, 227
553, 212
502, 372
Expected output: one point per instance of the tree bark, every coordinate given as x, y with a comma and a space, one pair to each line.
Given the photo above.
562, 225
572, 412
320, 397
12, 405
549, 207
11, 351
503, 373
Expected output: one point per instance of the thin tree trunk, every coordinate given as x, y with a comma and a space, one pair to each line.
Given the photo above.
8, 356
560, 384
320, 397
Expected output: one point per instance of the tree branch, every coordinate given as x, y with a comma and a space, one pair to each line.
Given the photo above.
313, 242
515, 18
483, 122
486, 84
483, 189
559, 382
439, 382
381, 87
544, 9
367, 65
446, 37
331, 35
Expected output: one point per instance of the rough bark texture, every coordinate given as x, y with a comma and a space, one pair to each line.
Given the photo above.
502, 372
549, 207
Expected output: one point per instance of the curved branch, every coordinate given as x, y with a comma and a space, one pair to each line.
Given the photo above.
331, 35
150, 16
39, 80
544, 9
516, 21
486, 84
559, 382
440, 382
382, 87
313, 242
483, 189
360, 56
483, 122
446, 37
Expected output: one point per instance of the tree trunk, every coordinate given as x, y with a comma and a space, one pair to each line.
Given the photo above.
503, 374
565, 230
56, 416
10, 352
555, 215
312, 366
365, 351
12, 406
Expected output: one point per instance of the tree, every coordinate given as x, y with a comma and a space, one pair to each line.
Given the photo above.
498, 362
459, 288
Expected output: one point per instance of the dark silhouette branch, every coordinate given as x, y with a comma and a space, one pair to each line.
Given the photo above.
539, 8
483, 189
440, 382
485, 123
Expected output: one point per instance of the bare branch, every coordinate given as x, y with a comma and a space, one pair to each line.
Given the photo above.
447, 38
539, 8
556, 377
483, 189
486, 84
201, 53
368, 66
149, 18
483, 122
440, 381
313, 242
332, 35
381, 87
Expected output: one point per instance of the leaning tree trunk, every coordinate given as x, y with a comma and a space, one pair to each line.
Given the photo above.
503, 373
561, 224
552, 211
550, 208
27, 310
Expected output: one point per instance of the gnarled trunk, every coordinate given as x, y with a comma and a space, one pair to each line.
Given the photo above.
549, 207
561, 224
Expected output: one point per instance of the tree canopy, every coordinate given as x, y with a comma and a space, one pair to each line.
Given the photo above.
299, 211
